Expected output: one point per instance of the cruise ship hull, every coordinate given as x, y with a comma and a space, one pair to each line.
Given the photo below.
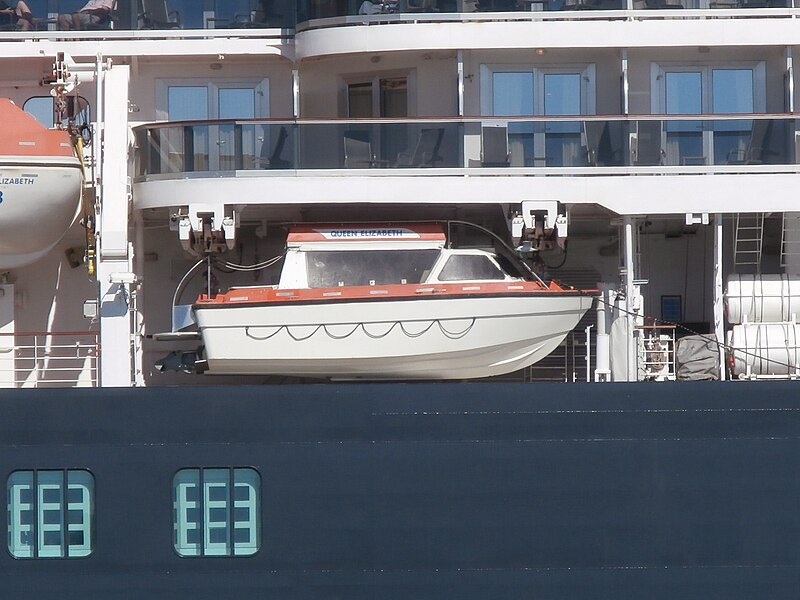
430, 491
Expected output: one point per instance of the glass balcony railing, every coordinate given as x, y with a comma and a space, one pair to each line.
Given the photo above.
173, 14
244, 145
285, 14
317, 9
214, 146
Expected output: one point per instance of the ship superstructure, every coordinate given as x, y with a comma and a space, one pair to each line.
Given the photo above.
645, 149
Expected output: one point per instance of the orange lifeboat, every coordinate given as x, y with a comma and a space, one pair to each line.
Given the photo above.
41, 178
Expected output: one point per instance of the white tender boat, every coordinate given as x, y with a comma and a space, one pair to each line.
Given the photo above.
387, 303
40, 186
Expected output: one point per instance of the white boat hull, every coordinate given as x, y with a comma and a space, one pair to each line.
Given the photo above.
437, 338
38, 204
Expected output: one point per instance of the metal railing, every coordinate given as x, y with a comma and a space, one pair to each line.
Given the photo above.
49, 359
173, 14
656, 352
570, 362
247, 18
315, 14
574, 145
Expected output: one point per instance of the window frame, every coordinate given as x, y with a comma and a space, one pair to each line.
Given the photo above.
658, 79
203, 510
374, 79
88, 526
87, 109
586, 71
446, 256
259, 85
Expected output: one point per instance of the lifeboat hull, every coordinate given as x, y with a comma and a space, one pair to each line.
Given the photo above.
433, 338
38, 204
41, 178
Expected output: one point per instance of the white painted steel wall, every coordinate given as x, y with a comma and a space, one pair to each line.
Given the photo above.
642, 32
113, 252
647, 193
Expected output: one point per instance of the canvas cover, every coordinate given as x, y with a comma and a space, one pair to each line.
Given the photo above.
697, 358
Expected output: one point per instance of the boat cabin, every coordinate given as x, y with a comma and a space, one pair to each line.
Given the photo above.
369, 255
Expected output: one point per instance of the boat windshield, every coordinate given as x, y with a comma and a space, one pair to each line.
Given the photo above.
470, 267
327, 269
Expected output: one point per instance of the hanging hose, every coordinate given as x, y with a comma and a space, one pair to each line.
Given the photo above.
87, 210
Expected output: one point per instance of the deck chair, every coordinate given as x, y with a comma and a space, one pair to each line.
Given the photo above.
274, 160
417, 6
755, 152
108, 21
603, 141
648, 150
426, 151
155, 14
580, 4
357, 151
497, 5
663, 4
262, 16
592, 136
494, 147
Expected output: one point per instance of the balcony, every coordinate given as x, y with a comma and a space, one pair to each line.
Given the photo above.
337, 12
521, 145
172, 15
165, 15
629, 165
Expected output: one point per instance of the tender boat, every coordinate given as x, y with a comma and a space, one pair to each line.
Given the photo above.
41, 178
387, 302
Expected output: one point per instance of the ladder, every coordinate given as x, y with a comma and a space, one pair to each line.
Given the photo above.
790, 243
748, 241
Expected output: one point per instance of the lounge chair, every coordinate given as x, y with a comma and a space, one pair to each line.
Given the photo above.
755, 151
426, 151
274, 160
156, 15
494, 147
648, 150
357, 151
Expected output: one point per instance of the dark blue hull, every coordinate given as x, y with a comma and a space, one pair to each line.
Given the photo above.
418, 491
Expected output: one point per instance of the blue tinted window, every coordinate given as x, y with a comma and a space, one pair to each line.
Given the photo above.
732, 90
210, 518
39, 517
684, 93
512, 94
188, 103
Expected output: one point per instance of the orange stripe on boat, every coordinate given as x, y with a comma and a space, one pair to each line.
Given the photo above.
260, 295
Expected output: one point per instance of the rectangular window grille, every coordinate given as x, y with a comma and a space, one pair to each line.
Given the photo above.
50, 513
216, 512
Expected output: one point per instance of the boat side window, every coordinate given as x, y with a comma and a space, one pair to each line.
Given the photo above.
43, 109
368, 267
468, 267
216, 512
50, 513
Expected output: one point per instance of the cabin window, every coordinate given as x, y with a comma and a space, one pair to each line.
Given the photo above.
368, 267
50, 513
469, 267
379, 96
521, 90
216, 512
201, 100
694, 89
